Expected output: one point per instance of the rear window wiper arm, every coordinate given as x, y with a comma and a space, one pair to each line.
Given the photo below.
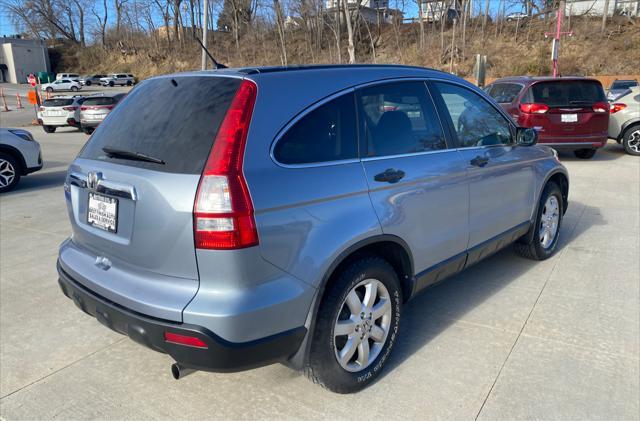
136, 156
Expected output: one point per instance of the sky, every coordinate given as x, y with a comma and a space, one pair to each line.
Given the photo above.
411, 10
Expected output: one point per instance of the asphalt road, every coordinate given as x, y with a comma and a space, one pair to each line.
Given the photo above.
507, 339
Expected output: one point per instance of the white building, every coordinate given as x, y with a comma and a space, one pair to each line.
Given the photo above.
434, 10
596, 7
20, 57
372, 11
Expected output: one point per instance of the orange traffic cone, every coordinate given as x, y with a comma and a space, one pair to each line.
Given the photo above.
4, 101
19, 101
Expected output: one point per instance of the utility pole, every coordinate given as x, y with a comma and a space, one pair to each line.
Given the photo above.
205, 24
555, 46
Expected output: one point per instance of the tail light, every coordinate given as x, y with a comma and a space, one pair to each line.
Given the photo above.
223, 211
534, 108
617, 107
600, 107
84, 108
69, 108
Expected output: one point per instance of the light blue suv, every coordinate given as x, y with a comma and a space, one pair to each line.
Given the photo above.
240, 217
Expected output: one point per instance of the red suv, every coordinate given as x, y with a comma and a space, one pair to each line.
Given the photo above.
569, 113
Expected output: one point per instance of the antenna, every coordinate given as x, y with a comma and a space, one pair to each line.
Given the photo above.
215, 62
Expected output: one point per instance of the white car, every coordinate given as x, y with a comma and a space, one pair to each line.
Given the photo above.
118, 79
72, 76
59, 112
19, 155
62, 85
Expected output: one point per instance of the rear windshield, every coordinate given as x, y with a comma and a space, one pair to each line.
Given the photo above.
171, 119
567, 93
57, 102
624, 84
99, 101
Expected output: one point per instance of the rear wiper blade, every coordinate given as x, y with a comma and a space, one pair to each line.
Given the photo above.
136, 156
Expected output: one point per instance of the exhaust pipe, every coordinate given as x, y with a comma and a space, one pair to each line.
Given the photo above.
179, 371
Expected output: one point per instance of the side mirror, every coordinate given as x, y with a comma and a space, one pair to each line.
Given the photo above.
526, 136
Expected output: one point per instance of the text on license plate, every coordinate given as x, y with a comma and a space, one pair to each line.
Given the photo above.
102, 212
569, 118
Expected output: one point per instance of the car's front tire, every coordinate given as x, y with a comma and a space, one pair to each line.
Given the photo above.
357, 325
49, 129
87, 83
542, 244
9, 172
584, 153
88, 130
49, 89
111, 84
631, 140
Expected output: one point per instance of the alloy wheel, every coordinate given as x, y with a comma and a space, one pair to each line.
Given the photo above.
549, 222
634, 141
7, 173
362, 325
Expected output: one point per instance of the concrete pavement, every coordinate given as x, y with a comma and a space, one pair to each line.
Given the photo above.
507, 339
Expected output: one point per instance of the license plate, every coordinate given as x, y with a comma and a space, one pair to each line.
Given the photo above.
569, 118
102, 212
55, 113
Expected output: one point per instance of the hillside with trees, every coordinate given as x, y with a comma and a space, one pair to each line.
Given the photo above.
149, 37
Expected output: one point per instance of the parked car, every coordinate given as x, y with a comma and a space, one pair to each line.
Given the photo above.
19, 155
118, 79
624, 123
96, 108
62, 85
60, 112
569, 113
619, 87
73, 76
245, 230
89, 80
516, 16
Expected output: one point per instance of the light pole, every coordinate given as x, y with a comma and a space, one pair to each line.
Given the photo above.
204, 34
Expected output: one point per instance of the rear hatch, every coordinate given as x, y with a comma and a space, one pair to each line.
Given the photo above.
566, 108
57, 110
131, 193
96, 108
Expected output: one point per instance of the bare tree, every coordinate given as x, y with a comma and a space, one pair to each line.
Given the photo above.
102, 22
351, 46
277, 7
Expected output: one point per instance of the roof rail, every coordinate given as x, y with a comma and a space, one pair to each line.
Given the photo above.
274, 69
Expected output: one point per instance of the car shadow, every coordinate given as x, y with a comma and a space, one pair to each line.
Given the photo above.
457, 296
38, 181
610, 152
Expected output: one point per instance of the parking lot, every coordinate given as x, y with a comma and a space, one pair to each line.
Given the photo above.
507, 339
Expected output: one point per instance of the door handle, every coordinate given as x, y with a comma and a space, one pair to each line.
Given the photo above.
390, 175
479, 161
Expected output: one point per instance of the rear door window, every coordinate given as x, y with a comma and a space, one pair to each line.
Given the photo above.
566, 93
173, 119
328, 133
505, 93
399, 118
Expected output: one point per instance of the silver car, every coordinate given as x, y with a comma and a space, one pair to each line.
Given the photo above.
19, 155
122, 79
60, 111
229, 227
95, 108
624, 120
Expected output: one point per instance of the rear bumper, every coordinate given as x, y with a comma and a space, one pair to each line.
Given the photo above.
573, 143
219, 356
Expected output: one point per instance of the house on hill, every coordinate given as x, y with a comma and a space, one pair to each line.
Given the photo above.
629, 8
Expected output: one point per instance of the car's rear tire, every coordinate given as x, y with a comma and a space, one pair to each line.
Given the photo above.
74, 89
129, 83
88, 130
49, 129
584, 153
87, 83
631, 140
542, 243
10, 171
355, 324
49, 89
